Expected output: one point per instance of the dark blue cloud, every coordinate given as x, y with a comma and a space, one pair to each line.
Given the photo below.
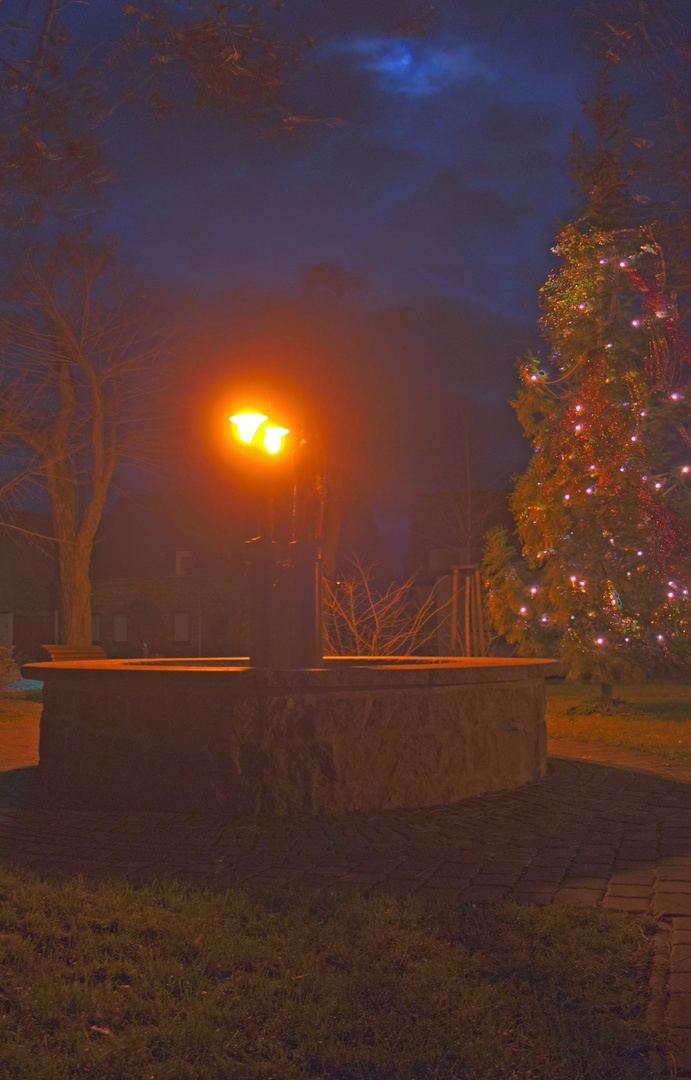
418, 69
448, 167
437, 196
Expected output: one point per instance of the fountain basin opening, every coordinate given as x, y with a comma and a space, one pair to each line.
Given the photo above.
361, 733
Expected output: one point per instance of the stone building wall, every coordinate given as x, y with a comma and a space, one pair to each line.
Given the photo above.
171, 615
28, 584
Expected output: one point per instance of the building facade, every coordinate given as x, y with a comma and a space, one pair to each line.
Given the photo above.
28, 584
171, 615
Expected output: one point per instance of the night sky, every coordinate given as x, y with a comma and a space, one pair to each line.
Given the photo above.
391, 261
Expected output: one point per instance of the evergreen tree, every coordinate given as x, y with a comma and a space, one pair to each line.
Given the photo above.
603, 512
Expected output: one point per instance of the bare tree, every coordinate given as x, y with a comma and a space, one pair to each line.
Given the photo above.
75, 397
65, 72
360, 621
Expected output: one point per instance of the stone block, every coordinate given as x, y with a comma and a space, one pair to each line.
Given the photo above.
576, 897
542, 873
632, 877
680, 957
664, 886
626, 903
666, 904
536, 898
680, 1047
504, 880
483, 894
589, 870
679, 1011
637, 852
504, 866
615, 889
575, 881
438, 881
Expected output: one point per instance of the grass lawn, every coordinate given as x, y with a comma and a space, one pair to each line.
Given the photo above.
108, 981
654, 717
12, 708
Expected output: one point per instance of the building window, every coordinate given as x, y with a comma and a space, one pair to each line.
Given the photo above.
120, 627
181, 626
7, 628
184, 562
95, 628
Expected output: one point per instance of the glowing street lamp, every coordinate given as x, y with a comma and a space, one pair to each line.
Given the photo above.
285, 586
273, 436
249, 423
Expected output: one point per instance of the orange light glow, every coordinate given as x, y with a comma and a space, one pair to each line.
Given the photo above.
272, 438
247, 424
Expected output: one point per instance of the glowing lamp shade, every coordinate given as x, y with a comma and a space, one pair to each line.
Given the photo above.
247, 424
272, 438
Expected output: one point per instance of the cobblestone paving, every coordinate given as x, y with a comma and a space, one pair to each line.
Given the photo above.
604, 826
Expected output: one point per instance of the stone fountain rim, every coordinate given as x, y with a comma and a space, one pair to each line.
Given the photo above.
234, 673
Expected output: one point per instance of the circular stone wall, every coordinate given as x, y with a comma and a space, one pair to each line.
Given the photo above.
358, 734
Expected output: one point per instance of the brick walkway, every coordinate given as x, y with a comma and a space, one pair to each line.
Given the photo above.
605, 826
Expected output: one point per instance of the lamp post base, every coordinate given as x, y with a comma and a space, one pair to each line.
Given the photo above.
306, 604
285, 628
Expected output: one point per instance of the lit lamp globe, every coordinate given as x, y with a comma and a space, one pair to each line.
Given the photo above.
249, 423
299, 641
273, 437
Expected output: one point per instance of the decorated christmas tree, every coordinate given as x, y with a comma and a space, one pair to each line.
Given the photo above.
603, 512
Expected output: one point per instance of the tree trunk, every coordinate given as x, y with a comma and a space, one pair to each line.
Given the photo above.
75, 593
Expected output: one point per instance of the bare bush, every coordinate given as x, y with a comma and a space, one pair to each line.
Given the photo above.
359, 620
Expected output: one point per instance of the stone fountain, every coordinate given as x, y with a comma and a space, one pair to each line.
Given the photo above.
287, 731
219, 735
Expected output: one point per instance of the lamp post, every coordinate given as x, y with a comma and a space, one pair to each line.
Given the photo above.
285, 579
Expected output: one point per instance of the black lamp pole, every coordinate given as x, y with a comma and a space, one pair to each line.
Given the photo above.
285, 625
306, 550
263, 632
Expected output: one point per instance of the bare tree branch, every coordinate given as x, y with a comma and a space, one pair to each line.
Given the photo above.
361, 622
75, 396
